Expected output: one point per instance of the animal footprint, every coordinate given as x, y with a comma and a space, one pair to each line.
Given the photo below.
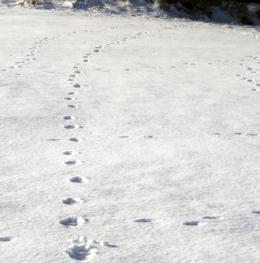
73, 221
6, 239
84, 248
69, 118
191, 223
71, 200
256, 212
81, 252
77, 86
78, 179
70, 163
210, 217
143, 220
148, 137
67, 98
75, 140
123, 136
73, 106
251, 80
71, 152
251, 134
72, 93
72, 127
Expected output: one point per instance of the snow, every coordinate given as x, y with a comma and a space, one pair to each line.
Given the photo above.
137, 131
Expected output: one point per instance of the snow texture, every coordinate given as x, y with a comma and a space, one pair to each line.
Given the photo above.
140, 131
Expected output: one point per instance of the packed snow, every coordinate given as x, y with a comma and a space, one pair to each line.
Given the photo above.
128, 138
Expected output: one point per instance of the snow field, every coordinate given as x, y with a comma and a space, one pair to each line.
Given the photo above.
142, 133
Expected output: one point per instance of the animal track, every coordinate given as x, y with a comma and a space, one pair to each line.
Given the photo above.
191, 64
71, 153
69, 118
191, 223
6, 239
69, 98
238, 134
75, 140
123, 136
83, 248
250, 80
143, 220
77, 86
78, 179
73, 106
72, 93
71, 200
72, 127
210, 217
256, 212
73, 221
32, 52
149, 137
74, 162
81, 252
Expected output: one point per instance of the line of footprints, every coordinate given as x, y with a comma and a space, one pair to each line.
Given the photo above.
84, 248
237, 134
31, 55
81, 248
251, 66
204, 219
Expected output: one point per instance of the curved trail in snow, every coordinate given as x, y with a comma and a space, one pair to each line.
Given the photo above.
142, 133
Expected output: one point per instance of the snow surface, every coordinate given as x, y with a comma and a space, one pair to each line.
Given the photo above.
142, 133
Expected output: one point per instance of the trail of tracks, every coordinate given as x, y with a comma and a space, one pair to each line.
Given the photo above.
129, 132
